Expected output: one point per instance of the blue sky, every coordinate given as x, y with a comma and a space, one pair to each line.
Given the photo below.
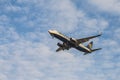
27, 51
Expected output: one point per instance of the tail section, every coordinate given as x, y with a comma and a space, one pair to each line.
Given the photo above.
90, 45
93, 50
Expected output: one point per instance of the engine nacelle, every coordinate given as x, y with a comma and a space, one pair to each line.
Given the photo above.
60, 45
63, 46
73, 40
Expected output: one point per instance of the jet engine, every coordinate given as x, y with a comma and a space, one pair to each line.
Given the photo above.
60, 45
63, 46
74, 41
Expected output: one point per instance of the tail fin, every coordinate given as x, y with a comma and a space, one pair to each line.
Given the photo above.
90, 45
96, 49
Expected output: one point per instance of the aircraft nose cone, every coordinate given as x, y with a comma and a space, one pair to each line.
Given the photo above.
49, 31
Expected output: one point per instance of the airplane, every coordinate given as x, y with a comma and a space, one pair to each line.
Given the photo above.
73, 43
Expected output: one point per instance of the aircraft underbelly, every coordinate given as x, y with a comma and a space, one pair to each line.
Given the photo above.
61, 38
82, 49
73, 43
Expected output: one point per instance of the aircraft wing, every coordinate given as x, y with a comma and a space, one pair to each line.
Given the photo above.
59, 49
82, 40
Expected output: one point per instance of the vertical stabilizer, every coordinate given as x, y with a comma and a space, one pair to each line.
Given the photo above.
90, 45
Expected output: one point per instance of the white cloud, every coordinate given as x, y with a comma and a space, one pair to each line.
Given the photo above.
3, 77
13, 8
57, 14
60, 15
97, 24
112, 6
117, 33
4, 19
31, 55
8, 34
91, 25
27, 60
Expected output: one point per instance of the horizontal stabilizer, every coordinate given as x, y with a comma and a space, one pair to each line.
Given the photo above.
93, 50
96, 49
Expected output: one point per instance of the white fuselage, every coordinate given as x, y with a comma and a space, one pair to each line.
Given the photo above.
67, 40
